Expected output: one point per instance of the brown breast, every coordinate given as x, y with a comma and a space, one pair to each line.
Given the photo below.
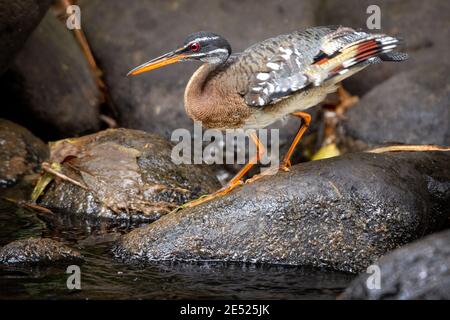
212, 98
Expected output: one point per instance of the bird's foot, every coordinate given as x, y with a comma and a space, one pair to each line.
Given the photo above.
221, 192
285, 165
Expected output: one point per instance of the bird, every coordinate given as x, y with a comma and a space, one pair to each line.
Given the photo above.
283, 75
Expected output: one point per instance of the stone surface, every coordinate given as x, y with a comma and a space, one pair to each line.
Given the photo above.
341, 213
49, 87
20, 152
128, 174
17, 21
37, 251
420, 270
423, 25
411, 107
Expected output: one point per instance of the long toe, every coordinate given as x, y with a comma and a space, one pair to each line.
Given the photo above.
221, 192
198, 201
268, 172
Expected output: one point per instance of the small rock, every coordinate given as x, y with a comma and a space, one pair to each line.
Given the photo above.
38, 251
128, 174
20, 152
341, 213
411, 107
49, 87
418, 271
18, 20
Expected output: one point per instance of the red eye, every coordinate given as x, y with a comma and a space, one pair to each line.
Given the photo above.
194, 46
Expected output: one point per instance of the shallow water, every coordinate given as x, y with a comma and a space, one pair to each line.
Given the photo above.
103, 277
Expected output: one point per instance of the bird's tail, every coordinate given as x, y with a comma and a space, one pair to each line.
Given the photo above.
374, 49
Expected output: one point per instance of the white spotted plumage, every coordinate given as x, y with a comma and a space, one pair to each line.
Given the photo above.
289, 63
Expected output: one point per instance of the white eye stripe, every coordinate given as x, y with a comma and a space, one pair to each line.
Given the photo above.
196, 54
200, 54
218, 50
203, 39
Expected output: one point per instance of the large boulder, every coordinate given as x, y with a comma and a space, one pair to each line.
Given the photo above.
34, 251
420, 270
20, 152
49, 87
411, 107
341, 213
122, 174
17, 21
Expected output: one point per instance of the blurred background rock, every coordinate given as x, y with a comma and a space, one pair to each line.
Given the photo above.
17, 21
49, 87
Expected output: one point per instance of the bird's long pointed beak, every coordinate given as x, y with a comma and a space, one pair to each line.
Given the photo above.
164, 60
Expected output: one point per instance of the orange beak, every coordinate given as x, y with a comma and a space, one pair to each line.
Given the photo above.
164, 60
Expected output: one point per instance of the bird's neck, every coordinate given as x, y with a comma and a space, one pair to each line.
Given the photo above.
198, 80
196, 92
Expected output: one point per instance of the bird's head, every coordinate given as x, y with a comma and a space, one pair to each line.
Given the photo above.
204, 46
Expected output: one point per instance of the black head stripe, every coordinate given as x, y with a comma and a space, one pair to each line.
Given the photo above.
208, 41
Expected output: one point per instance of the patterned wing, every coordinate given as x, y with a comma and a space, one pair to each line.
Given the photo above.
309, 58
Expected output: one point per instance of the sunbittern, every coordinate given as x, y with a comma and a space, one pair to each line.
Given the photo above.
276, 77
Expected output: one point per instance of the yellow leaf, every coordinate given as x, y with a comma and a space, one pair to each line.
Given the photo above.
328, 151
43, 182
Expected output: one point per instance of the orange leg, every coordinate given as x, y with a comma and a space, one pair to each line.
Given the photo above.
306, 120
236, 181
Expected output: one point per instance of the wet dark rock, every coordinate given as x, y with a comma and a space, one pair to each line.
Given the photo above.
420, 270
127, 174
423, 25
131, 32
38, 251
20, 152
411, 107
17, 21
341, 213
49, 87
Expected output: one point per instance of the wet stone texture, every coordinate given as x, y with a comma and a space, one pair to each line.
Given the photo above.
49, 86
420, 270
127, 174
37, 251
341, 213
20, 152
411, 107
